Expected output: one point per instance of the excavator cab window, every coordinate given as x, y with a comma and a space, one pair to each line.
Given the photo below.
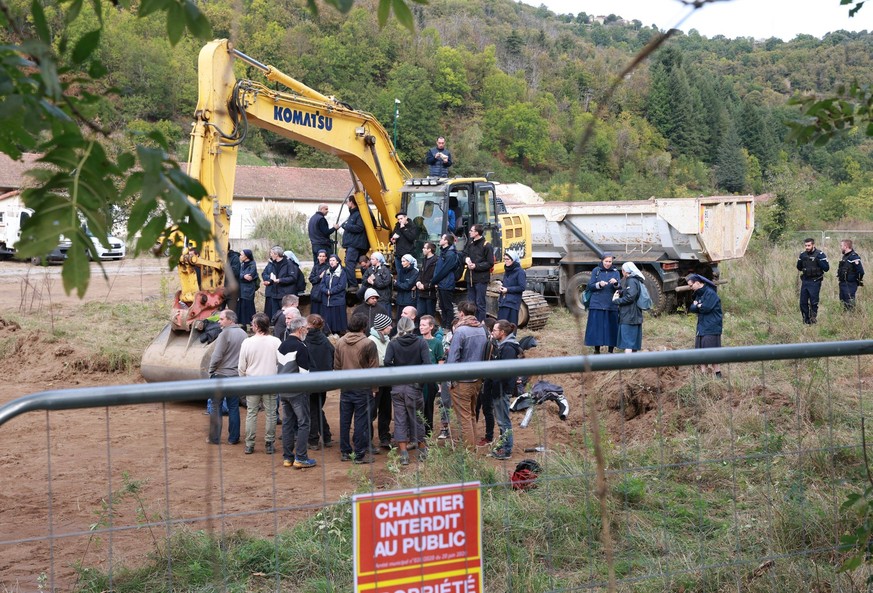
486, 215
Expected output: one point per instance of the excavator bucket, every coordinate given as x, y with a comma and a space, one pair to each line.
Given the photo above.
176, 356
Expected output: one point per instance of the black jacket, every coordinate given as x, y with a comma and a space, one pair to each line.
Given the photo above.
425, 276
407, 350
320, 234
481, 254
370, 312
354, 233
321, 351
405, 242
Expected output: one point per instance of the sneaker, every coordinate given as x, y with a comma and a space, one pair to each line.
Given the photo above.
385, 443
287, 463
484, 443
269, 449
500, 454
422, 454
404, 458
249, 450
327, 444
374, 450
444, 434
314, 446
345, 456
366, 458
303, 463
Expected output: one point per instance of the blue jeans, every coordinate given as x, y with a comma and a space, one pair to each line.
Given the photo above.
295, 426
215, 420
355, 406
477, 295
501, 415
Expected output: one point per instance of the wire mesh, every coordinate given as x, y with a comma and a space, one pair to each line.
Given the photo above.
720, 485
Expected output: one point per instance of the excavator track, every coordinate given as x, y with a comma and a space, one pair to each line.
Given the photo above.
538, 310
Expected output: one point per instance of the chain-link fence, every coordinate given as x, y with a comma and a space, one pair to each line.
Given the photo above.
663, 477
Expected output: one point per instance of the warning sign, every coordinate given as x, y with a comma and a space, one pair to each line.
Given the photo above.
422, 540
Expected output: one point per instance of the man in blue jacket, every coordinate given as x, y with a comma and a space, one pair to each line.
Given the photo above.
707, 305
439, 159
444, 279
320, 231
812, 264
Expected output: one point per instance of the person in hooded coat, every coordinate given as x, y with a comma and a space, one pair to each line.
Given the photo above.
321, 356
707, 305
408, 349
407, 276
514, 284
630, 316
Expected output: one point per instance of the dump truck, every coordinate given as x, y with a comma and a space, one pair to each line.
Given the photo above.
667, 238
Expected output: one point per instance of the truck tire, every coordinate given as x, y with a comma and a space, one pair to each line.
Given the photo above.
573, 295
656, 291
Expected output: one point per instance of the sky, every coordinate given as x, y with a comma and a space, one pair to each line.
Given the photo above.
760, 19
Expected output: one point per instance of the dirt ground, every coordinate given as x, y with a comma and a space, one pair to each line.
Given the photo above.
58, 468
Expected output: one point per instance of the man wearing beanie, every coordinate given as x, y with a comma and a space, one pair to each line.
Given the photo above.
382, 404
371, 307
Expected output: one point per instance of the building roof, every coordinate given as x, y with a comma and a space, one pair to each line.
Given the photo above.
272, 183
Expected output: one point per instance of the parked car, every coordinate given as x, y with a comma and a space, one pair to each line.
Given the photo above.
117, 248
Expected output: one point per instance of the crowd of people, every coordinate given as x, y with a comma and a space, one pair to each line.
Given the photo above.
615, 316
370, 419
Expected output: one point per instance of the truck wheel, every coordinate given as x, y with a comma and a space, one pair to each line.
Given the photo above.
573, 295
656, 291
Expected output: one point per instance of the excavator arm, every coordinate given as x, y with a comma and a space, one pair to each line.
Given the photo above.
226, 107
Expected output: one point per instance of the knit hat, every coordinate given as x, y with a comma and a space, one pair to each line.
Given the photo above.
370, 292
381, 321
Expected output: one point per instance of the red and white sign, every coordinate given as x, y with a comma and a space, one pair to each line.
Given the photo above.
422, 540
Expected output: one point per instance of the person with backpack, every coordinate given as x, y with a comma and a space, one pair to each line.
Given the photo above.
508, 349
514, 284
630, 315
249, 281
602, 327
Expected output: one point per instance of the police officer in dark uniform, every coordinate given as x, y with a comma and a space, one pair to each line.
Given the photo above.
812, 263
850, 273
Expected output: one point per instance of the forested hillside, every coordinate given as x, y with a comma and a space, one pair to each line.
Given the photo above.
513, 88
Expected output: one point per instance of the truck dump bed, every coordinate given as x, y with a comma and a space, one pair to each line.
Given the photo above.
710, 229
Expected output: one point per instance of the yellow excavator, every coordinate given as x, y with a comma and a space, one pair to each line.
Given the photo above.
381, 184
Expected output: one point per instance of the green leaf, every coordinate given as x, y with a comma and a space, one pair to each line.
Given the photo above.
151, 233
147, 7
175, 22
39, 22
77, 271
72, 12
852, 563
86, 46
383, 12
197, 22
404, 15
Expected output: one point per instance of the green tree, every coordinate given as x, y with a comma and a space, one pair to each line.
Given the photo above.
731, 166
520, 133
